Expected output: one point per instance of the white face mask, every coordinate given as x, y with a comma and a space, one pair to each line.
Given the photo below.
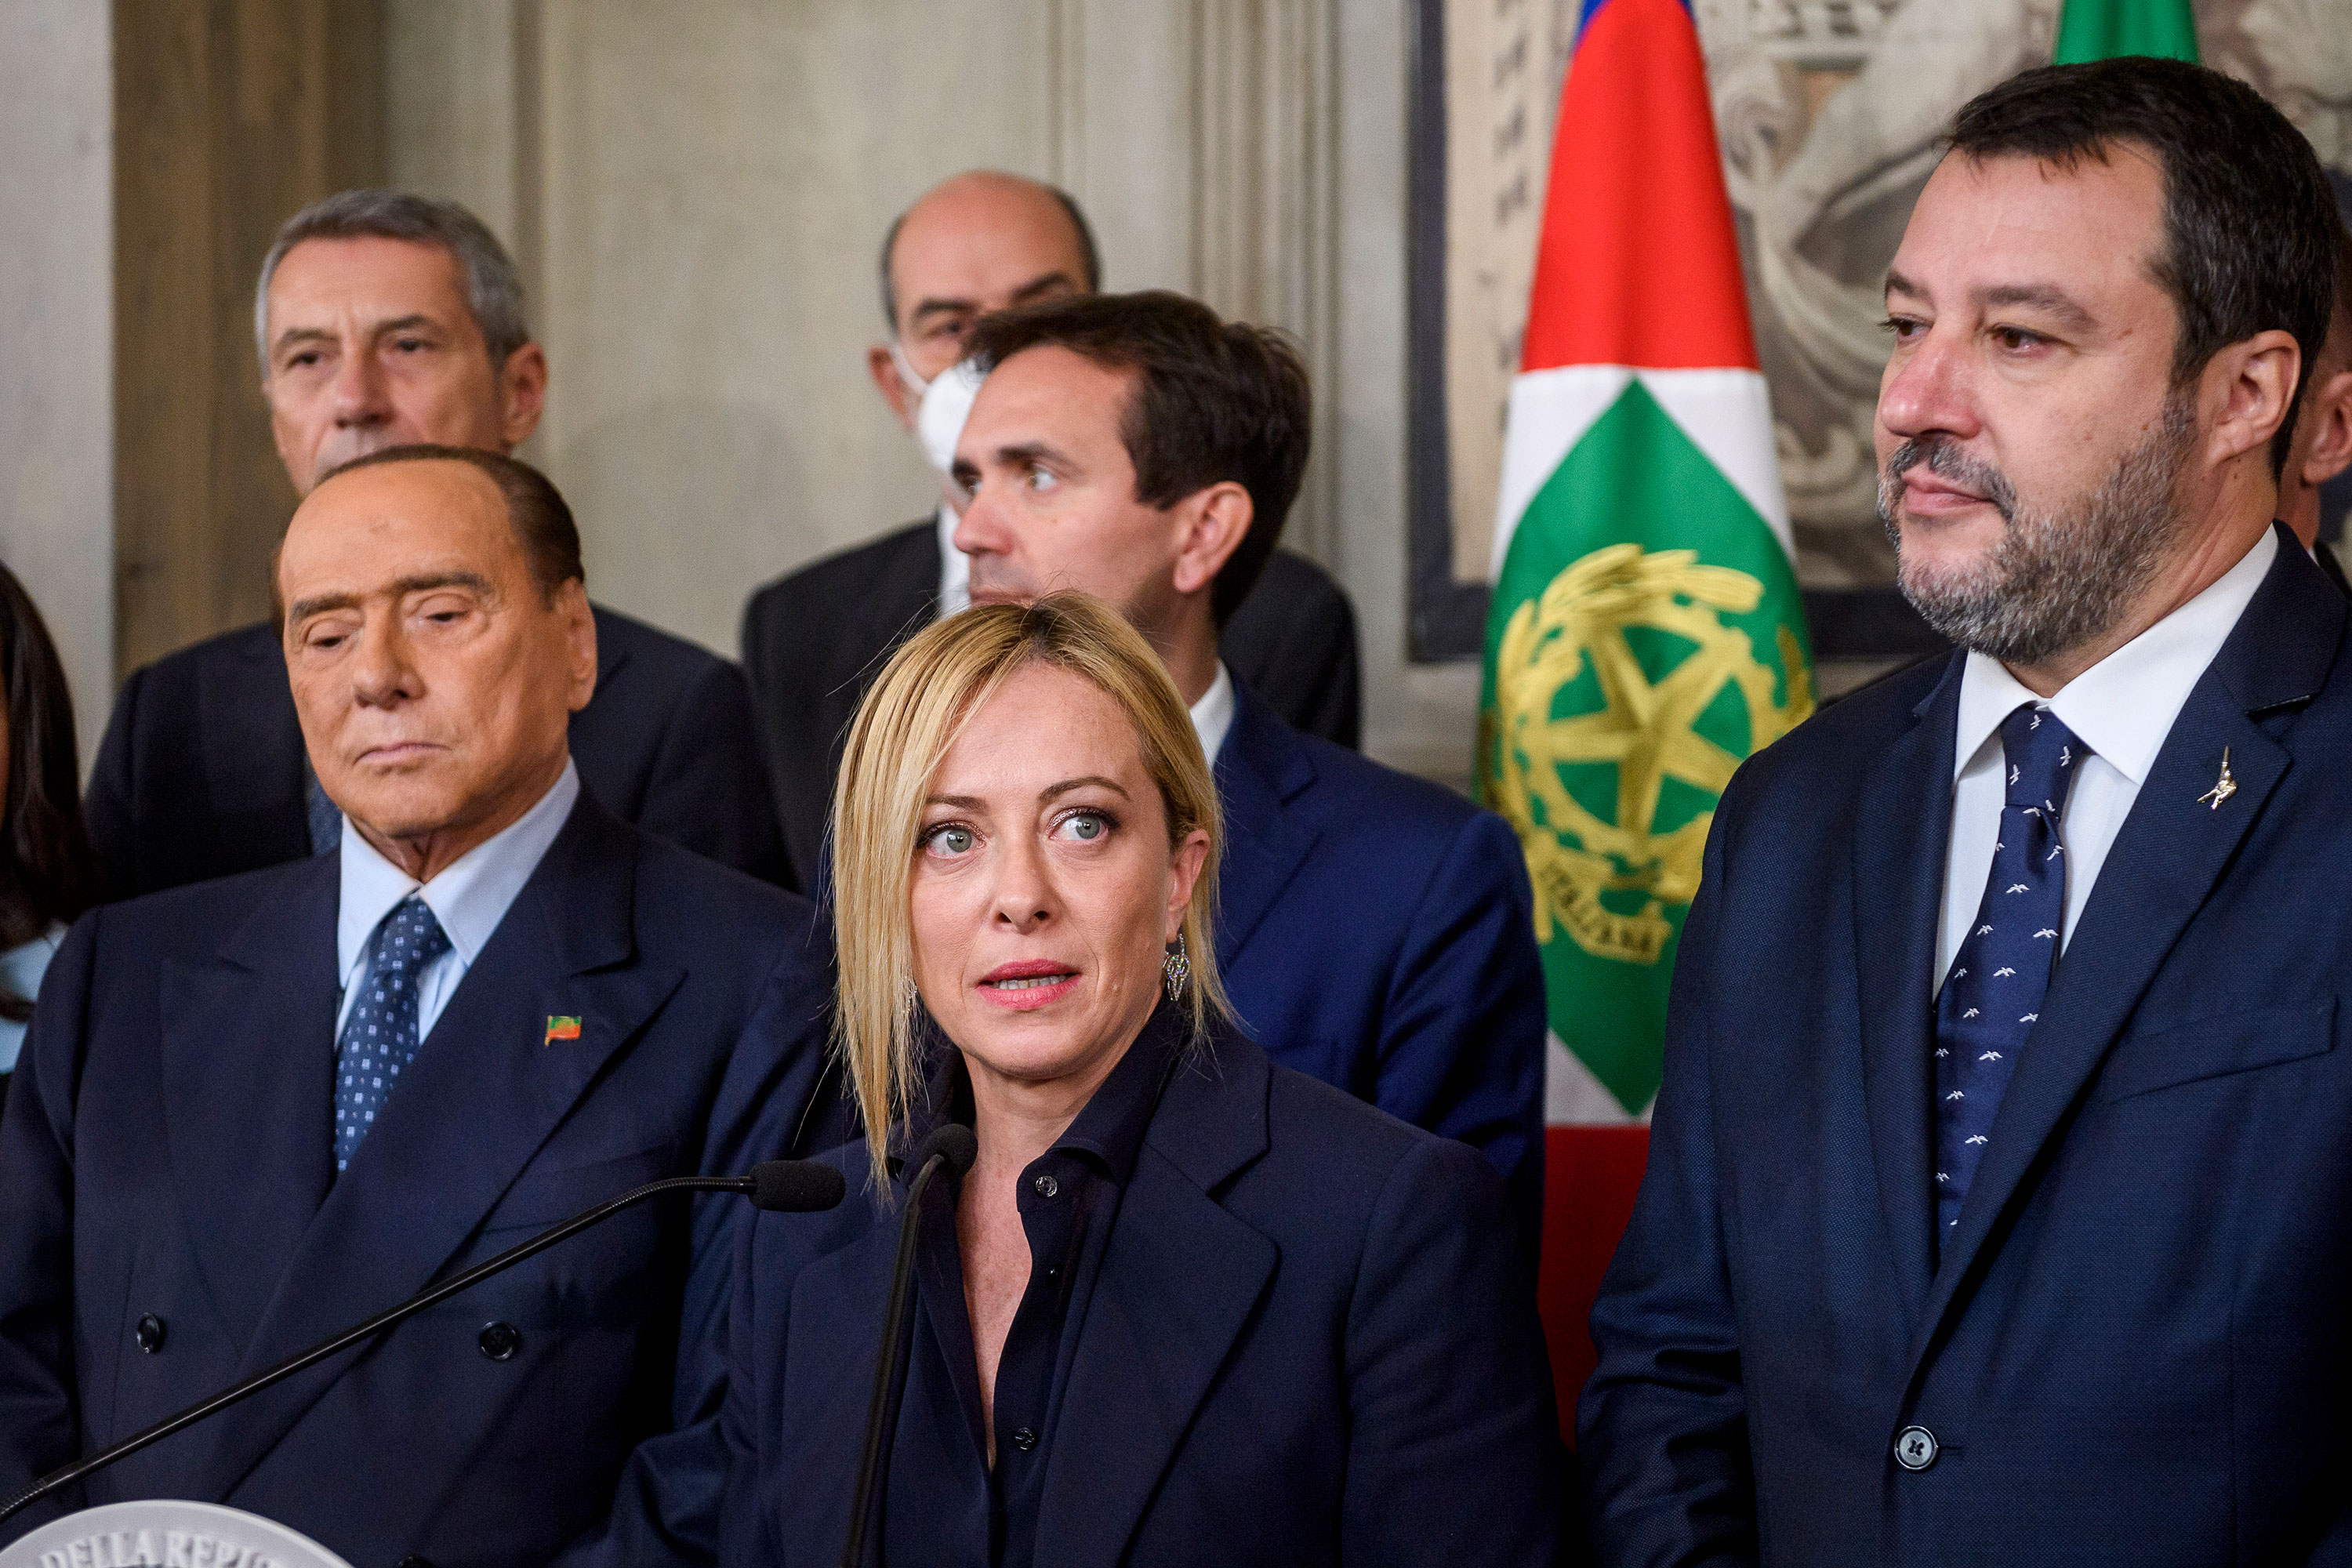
944, 403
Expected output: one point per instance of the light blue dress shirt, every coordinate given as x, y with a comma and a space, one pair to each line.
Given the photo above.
469, 898
21, 969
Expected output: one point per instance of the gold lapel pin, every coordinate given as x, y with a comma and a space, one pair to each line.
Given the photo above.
2224, 787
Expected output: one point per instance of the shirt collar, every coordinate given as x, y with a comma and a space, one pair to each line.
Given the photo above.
1212, 716
470, 896
955, 568
2123, 706
1109, 1129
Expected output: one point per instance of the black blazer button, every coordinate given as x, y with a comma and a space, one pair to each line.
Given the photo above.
151, 1333
501, 1340
1023, 1438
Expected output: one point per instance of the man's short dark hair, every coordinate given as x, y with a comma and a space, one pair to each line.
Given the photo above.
1213, 400
2250, 221
535, 509
1089, 256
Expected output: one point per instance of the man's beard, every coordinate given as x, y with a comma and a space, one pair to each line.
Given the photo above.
2056, 580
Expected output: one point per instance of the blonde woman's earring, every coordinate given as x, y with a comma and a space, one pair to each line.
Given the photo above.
1178, 969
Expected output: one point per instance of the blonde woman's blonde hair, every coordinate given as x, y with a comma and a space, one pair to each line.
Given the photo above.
903, 731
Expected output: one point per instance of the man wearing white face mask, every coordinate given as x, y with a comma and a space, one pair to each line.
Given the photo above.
979, 242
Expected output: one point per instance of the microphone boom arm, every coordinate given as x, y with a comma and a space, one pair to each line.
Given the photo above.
58, 1480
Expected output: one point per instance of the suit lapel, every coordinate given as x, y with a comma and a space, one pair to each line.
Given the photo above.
1180, 1279
253, 762
2169, 853
1261, 771
821, 1410
248, 1068
2171, 850
1902, 826
484, 1092
903, 600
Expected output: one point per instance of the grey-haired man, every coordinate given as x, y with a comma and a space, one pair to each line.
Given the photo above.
383, 319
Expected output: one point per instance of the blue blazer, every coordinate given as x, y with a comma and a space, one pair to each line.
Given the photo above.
2134, 1348
201, 774
1377, 933
166, 1155
1312, 1340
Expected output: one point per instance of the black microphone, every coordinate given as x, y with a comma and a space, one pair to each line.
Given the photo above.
952, 1144
789, 1186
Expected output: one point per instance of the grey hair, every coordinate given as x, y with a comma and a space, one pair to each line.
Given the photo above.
493, 287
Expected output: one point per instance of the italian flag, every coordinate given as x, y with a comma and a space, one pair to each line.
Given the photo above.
1646, 634
2100, 29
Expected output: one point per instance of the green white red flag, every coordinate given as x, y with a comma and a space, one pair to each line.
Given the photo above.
1646, 634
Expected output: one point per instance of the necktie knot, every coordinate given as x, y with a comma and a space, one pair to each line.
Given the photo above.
408, 938
2042, 757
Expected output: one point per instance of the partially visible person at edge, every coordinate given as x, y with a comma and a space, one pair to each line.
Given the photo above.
2322, 447
255, 1110
383, 319
979, 242
1188, 1306
47, 874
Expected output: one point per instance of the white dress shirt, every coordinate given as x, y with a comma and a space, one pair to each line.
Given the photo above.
2121, 708
469, 898
955, 568
1213, 714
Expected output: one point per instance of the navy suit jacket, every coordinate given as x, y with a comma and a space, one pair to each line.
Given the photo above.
1377, 932
1312, 1340
201, 774
2136, 1345
167, 1153
815, 639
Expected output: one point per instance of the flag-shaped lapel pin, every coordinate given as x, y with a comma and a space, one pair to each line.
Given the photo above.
562, 1027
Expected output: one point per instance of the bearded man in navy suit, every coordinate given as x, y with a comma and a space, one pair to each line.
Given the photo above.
2000, 1197
258, 1109
1377, 931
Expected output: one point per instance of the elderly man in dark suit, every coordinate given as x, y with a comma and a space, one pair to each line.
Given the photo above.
1376, 929
254, 1110
383, 318
814, 640
1999, 1195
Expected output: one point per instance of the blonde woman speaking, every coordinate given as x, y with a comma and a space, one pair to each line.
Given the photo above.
1185, 1305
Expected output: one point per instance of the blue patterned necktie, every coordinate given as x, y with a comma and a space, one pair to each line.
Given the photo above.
380, 1037
1993, 996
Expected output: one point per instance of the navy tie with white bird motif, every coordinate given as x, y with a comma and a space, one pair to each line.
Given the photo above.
381, 1037
1992, 998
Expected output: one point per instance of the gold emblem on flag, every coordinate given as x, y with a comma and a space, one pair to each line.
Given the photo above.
1609, 881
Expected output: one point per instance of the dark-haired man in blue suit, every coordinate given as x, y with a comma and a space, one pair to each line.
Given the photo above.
1376, 929
253, 1112
2000, 1197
